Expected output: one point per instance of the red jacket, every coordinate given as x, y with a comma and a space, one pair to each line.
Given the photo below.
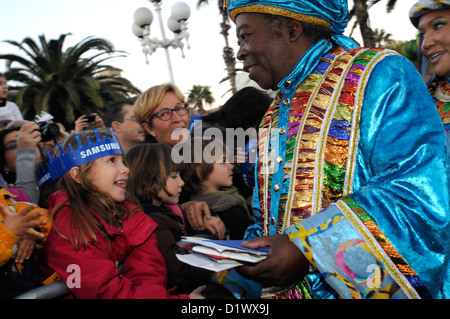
96, 267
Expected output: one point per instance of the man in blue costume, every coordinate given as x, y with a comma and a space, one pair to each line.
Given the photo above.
352, 183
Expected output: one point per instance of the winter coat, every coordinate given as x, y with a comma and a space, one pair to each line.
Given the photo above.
182, 277
93, 272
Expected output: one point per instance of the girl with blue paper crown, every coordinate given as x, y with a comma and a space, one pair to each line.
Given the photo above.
97, 226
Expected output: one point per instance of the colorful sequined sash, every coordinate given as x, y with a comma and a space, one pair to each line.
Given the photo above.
440, 90
322, 137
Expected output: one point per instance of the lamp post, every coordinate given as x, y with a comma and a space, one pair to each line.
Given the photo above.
143, 18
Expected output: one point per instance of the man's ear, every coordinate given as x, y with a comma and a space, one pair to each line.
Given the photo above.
148, 129
75, 174
295, 29
116, 126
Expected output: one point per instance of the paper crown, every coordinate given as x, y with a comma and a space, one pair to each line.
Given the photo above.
56, 166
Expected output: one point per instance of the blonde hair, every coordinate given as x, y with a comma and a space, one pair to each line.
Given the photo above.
148, 101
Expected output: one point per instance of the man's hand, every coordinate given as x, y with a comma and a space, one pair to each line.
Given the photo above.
196, 212
284, 265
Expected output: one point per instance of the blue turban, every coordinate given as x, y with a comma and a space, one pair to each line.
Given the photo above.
425, 6
329, 13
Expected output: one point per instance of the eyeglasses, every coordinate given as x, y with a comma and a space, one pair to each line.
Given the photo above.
166, 114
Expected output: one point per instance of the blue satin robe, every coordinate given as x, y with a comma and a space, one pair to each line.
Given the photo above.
401, 181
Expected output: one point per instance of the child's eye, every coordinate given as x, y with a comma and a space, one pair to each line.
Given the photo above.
174, 175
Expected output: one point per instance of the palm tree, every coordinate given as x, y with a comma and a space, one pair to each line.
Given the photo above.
389, 6
64, 83
382, 38
360, 11
199, 94
228, 54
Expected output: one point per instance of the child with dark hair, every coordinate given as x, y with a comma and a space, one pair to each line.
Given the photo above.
209, 178
243, 111
155, 181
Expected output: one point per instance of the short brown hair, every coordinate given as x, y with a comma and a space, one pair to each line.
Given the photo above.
150, 165
194, 172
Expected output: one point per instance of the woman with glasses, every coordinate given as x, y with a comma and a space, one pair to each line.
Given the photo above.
165, 117
163, 113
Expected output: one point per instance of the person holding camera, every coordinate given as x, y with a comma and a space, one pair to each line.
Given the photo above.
8, 110
19, 148
52, 132
88, 121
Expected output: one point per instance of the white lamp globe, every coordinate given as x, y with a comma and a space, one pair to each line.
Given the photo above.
174, 25
143, 17
181, 11
137, 30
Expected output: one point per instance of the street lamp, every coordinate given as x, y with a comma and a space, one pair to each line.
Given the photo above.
143, 18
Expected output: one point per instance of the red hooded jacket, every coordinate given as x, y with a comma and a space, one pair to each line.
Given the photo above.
93, 272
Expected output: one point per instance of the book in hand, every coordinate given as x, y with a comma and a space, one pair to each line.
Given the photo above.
218, 255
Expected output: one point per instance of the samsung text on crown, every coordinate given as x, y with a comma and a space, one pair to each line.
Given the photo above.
99, 149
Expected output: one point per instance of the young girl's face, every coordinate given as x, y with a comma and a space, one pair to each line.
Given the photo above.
174, 183
110, 176
221, 176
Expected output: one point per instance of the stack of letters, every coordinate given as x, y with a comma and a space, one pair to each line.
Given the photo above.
218, 255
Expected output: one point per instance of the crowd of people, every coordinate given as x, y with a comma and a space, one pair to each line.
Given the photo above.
344, 174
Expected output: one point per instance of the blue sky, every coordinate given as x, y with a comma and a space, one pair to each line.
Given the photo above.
113, 19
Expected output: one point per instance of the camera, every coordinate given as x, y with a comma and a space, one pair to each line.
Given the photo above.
49, 130
90, 118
